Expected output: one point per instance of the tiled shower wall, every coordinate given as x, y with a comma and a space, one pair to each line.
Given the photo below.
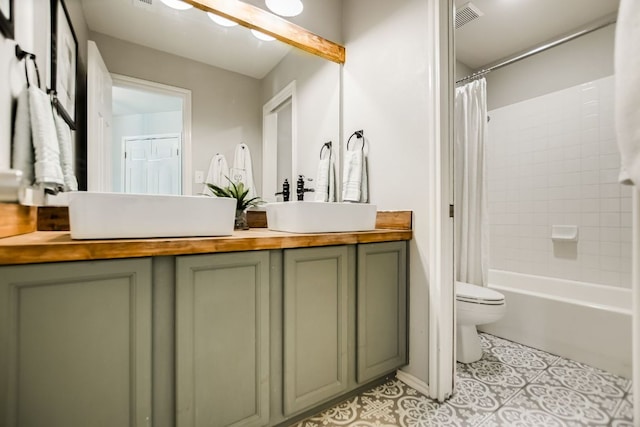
553, 160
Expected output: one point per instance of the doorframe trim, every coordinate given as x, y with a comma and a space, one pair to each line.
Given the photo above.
270, 144
442, 313
185, 94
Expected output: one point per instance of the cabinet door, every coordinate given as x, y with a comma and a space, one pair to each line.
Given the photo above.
222, 337
315, 326
75, 344
382, 319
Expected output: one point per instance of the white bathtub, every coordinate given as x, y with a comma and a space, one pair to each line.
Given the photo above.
582, 321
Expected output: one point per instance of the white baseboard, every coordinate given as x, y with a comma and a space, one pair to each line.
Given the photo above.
413, 382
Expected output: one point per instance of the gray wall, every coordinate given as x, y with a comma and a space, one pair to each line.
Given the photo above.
318, 109
584, 59
226, 108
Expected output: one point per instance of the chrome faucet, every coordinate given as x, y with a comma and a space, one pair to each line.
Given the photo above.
300, 189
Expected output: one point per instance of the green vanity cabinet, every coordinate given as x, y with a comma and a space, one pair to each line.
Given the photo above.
381, 308
222, 339
75, 344
316, 324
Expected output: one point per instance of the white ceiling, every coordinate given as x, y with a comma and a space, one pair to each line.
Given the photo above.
190, 34
511, 26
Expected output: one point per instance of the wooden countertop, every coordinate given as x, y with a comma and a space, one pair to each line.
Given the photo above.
55, 246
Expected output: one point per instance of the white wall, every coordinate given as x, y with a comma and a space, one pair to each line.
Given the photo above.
552, 160
386, 93
586, 58
139, 125
226, 107
322, 17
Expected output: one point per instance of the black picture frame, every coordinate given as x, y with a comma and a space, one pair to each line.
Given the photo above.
6, 18
64, 62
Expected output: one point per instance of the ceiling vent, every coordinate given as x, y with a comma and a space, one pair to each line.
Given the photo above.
144, 4
464, 14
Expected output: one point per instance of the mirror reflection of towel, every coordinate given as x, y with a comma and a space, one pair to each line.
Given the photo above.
325, 190
218, 173
22, 150
47, 168
242, 161
66, 153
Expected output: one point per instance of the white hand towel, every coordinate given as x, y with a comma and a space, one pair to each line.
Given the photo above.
355, 184
66, 153
627, 89
218, 173
242, 163
45, 142
326, 179
22, 155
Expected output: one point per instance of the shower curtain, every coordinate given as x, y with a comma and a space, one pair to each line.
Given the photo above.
470, 183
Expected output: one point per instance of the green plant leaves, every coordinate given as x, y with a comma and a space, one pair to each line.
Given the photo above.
235, 191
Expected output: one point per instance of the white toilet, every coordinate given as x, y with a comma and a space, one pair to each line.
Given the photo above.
476, 305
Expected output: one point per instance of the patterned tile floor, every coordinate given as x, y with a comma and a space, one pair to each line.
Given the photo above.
512, 385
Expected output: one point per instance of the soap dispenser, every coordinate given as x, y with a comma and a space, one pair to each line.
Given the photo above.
285, 191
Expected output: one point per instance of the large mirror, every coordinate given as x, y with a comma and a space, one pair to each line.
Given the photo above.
188, 89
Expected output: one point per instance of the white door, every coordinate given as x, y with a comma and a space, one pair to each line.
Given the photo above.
99, 86
152, 165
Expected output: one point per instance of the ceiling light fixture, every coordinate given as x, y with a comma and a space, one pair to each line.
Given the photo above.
177, 4
262, 36
221, 21
285, 7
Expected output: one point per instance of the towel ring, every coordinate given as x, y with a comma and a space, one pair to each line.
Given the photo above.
22, 54
326, 145
360, 135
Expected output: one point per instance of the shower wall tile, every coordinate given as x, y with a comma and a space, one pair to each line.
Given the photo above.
554, 160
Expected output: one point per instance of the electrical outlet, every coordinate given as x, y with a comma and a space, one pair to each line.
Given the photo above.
199, 177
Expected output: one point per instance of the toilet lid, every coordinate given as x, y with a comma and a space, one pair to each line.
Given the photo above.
478, 294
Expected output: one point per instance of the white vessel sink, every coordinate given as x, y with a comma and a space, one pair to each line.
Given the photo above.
95, 215
317, 217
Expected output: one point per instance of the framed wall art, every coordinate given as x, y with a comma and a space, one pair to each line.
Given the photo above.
6, 18
64, 59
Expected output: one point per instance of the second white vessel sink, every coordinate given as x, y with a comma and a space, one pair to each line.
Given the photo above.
94, 215
318, 217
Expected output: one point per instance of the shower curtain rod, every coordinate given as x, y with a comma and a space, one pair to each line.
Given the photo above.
610, 20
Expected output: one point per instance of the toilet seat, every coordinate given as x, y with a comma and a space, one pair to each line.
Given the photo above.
475, 294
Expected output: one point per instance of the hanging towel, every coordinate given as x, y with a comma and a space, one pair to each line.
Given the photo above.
218, 173
627, 90
47, 168
355, 187
22, 153
326, 179
66, 153
243, 169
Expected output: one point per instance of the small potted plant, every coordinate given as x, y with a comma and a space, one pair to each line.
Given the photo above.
239, 192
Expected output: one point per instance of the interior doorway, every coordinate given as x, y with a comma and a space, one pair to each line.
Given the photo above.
149, 144
120, 107
279, 140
